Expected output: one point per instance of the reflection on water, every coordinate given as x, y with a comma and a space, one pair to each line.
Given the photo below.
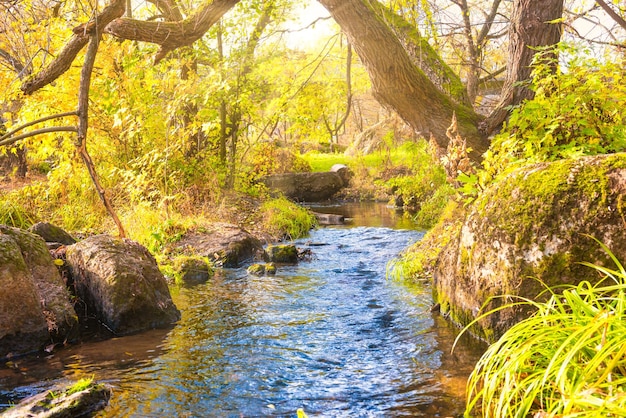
368, 214
332, 335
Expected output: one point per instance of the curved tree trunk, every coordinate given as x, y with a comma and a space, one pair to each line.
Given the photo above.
533, 25
397, 82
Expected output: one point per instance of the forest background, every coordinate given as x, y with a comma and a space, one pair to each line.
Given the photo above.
180, 135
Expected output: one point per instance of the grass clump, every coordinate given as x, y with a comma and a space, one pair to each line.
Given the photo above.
12, 214
285, 219
567, 359
80, 385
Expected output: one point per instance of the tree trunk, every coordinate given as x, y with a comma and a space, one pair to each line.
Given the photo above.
397, 82
532, 26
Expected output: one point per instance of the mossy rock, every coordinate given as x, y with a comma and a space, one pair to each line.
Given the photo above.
120, 283
192, 270
32, 291
225, 245
256, 269
52, 233
528, 230
284, 253
259, 269
72, 401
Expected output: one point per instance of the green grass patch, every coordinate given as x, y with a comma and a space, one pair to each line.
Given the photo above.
567, 359
285, 219
12, 214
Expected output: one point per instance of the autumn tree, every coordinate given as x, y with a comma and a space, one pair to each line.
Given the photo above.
407, 74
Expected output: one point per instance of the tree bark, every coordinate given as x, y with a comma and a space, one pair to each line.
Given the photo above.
397, 82
532, 26
171, 35
83, 126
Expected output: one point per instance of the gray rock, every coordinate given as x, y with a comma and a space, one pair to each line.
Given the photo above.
33, 291
52, 233
306, 187
282, 253
224, 244
531, 228
62, 403
120, 282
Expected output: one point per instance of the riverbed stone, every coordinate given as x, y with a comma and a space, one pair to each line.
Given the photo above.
282, 253
261, 269
192, 270
62, 403
32, 292
120, 282
224, 244
530, 230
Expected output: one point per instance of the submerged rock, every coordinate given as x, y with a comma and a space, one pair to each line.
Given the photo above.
329, 218
259, 269
34, 303
64, 403
120, 282
224, 244
192, 270
529, 229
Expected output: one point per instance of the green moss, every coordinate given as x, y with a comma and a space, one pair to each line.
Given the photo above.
417, 262
282, 253
191, 269
535, 196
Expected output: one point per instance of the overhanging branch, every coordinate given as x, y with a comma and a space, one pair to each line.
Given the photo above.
14, 139
171, 35
67, 55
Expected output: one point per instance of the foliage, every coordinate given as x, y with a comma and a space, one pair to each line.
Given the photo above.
567, 359
417, 261
13, 214
575, 112
284, 219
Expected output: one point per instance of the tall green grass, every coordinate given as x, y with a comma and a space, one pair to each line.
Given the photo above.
285, 219
566, 360
13, 214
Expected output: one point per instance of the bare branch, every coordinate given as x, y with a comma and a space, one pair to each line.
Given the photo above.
66, 56
34, 122
14, 139
616, 17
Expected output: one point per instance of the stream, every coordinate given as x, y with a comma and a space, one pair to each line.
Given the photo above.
332, 336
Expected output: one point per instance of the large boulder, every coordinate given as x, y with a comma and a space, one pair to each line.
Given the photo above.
226, 245
528, 231
120, 282
35, 306
308, 187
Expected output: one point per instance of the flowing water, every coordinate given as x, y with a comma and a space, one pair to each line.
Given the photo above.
332, 336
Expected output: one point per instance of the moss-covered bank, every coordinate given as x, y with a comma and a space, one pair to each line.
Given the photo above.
528, 231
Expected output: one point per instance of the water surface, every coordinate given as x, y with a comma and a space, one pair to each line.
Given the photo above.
332, 335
